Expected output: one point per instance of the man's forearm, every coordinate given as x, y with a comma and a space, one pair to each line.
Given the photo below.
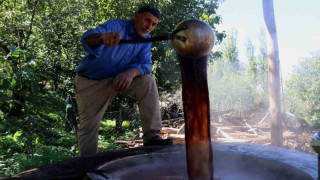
133, 72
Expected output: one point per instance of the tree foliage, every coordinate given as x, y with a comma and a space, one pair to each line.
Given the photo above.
39, 50
52, 30
234, 85
230, 50
303, 92
229, 88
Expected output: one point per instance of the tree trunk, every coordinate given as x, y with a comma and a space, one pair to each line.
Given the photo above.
18, 104
18, 98
273, 74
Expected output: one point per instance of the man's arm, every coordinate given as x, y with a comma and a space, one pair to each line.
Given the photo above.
111, 39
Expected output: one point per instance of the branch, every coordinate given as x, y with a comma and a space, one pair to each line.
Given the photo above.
265, 117
251, 129
224, 134
31, 22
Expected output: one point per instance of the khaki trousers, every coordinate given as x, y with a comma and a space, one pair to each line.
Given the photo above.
93, 98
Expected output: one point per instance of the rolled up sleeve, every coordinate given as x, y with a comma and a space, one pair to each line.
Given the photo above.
91, 50
109, 26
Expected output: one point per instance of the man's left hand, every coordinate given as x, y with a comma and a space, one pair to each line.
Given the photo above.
123, 80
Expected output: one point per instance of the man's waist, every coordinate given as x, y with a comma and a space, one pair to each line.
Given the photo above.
85, 76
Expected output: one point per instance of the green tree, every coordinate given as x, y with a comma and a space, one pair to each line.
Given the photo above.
303, 89
252, 61
229, 48
229, 88
40, 48
257, 73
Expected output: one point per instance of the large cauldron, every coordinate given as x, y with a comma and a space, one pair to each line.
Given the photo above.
232, 161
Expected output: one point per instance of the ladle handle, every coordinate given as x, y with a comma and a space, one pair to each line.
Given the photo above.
159, 38
146, 40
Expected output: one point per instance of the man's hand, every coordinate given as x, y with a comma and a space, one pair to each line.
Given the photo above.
123, 80
111, 39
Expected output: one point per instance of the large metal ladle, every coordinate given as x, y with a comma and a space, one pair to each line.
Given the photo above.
193, 55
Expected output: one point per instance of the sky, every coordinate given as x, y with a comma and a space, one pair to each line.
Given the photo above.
297, 23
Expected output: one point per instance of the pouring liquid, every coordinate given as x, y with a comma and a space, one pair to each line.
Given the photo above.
196, 108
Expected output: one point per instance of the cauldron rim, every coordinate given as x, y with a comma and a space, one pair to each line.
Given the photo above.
70, 167
133, 165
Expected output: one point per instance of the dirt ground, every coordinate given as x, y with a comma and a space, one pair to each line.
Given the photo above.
292, 140
228, 128
250, 129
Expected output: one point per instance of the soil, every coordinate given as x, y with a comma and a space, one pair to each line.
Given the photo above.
294, 136
295, 140
230, 128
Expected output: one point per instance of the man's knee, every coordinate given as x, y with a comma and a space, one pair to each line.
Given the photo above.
145, 82
143, 86
147, 79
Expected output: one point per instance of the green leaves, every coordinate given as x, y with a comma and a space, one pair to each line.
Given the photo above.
22, 72
15, 136
34, 87
40, 48
303, 92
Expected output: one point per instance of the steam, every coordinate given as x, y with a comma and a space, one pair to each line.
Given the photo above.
237, 104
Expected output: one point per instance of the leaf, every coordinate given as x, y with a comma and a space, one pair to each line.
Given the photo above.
17, 74
2, 58
5, 83
68, 106
34, 62
15, 136
42, 75
32, 120
13, 82
34, 87
13, 49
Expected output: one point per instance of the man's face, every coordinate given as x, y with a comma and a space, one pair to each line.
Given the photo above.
144, 23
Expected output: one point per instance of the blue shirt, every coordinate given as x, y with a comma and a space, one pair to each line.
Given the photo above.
103, 61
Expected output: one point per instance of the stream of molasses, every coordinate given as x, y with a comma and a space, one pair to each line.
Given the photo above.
195, 98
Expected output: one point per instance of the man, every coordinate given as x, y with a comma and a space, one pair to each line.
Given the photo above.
109, 68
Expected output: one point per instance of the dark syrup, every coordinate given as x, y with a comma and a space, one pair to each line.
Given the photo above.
196, 108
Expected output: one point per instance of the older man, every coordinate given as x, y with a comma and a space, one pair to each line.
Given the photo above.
109, 68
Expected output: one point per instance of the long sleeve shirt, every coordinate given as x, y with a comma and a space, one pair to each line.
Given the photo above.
103, 61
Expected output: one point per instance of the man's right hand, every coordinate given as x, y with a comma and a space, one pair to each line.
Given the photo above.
111, 39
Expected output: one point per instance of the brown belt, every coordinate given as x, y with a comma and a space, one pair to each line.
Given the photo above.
84, 76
